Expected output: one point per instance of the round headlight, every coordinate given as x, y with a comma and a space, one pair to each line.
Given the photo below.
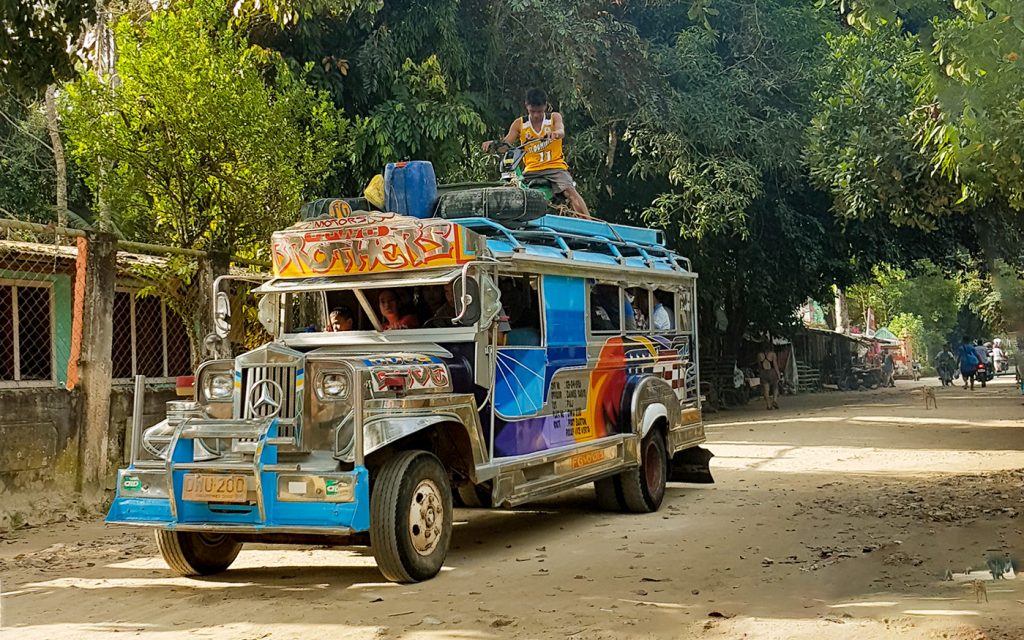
221, 385
334, 385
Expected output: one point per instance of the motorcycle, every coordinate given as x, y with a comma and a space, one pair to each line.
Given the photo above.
983, 374
946, 375
511, 172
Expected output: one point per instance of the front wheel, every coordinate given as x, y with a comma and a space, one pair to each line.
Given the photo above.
190, 553
411, 517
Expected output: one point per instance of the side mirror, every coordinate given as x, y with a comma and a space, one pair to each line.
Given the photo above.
222, 314
467, 301
269, 313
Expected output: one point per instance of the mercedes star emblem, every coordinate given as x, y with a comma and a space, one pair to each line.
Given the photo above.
265, 398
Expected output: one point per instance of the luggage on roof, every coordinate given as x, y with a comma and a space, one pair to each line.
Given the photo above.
508, 205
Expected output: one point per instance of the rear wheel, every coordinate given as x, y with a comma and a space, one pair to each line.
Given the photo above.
190, 553
643, 488
411, 517
609, 494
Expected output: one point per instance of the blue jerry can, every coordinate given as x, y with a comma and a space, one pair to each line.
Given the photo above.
410, 188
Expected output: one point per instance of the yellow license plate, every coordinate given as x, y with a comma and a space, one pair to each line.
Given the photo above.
214, 488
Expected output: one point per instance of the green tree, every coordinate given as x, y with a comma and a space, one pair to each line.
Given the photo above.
192, 146
941, 81
34, 39
204, 141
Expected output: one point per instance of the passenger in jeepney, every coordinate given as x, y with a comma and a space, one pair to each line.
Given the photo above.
661, 317
604, 316
639, 297
521, 326
340, 319
442, 314
391, 313
430, 301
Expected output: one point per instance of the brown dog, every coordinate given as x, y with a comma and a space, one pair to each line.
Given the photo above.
979, 590
929, 397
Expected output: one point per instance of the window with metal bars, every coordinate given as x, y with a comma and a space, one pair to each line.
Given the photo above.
26, 332
149, 339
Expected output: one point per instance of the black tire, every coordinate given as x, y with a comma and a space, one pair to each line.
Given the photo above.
609, 494
408, 549
190, 553
507, 204
643, 488
473, 496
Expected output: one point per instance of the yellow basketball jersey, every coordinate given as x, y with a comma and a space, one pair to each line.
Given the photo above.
540, 156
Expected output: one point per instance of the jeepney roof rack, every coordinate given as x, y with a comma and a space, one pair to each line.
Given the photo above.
580, 238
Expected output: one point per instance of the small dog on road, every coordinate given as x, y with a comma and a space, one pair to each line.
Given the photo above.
979, 590
929, 397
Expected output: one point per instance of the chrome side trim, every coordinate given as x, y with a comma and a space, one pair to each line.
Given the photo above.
237, 528
540, 476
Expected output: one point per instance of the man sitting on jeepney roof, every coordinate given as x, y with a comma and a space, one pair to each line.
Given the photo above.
546, 162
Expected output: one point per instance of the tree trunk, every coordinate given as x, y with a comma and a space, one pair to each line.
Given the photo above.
105, 65
842, 312
60, 166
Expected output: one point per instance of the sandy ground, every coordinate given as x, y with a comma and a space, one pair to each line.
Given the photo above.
834, 518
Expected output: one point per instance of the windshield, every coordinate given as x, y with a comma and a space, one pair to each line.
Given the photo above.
393, 309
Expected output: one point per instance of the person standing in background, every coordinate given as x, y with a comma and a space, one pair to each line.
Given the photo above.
967, 358
768, 371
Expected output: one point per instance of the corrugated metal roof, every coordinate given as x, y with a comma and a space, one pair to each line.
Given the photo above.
69, 252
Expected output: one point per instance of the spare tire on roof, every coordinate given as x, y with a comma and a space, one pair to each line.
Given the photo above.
507, 205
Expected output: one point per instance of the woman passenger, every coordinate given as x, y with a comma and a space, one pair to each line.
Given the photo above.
390, 311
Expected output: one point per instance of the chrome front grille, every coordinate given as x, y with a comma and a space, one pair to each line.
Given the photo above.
284, 377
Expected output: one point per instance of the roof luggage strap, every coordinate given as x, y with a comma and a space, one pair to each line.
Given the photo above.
613, 232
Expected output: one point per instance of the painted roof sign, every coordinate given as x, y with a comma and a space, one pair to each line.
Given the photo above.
370, 242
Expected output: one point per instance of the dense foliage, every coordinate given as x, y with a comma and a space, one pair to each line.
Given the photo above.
783, 149
191, 146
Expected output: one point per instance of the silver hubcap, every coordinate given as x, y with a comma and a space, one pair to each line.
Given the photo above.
426, 517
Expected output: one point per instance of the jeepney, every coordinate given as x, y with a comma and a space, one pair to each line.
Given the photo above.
533, 360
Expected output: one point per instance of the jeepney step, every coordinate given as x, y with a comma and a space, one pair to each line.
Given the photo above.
282, 441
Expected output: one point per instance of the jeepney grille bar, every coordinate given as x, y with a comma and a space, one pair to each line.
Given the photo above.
282, 374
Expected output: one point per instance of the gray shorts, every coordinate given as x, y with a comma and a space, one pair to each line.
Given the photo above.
769, 377
560, 179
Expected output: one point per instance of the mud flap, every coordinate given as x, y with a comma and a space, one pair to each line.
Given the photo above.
691, 465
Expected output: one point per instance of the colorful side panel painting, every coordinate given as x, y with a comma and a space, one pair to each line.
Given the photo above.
584, 403
371, 243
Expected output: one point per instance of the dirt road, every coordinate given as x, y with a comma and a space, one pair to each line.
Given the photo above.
834, 518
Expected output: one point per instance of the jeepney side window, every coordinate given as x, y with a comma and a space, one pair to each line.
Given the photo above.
605, 309
305, 312
347, 301
640, 300
520, 300
663, 317
686, 311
